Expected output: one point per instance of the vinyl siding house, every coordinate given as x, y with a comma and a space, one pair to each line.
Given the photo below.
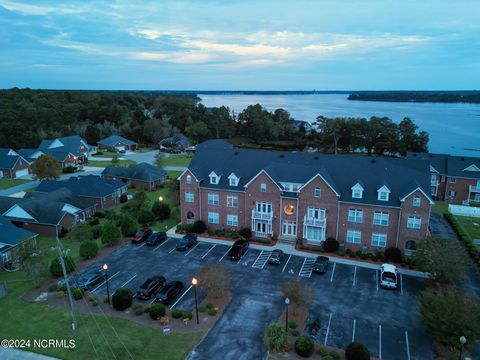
13, 165
364, 202
12, 240
116, 143
142, 176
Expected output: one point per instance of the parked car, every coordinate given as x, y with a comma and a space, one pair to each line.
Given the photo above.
86, 282
276, 257
156, 238
141, 235
321, 264
186, 242
169, 292
388, 276
175, 151
150, 287
238, 250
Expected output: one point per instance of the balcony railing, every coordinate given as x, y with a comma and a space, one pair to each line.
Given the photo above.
474, 189
262, 215
434, 183
309, 221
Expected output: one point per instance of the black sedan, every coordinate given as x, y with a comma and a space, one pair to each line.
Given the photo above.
239, 249
169, 292
156, 238
321, 264
186, 242
276, 257
150, 287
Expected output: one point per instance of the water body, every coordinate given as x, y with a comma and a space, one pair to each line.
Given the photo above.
453, 128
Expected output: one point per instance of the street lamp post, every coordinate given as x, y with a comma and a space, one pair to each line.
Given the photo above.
105, 268
287, 302
194, 284
463, 340
160, 198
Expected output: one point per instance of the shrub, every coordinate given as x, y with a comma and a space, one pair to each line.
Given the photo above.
77, 293
202, 308
212, 312
393, 254
330, 245
211, 232
199, 227
322, 352
356, 351
128, 226
296, 332
110, 234
161, 210
334, 355
187, 315
94, 221
245, 232
123, 198
145, 217
88, 249
53, 287
60, 294
304, 346
122, 299
177, 314
210, 306
341, 252
274, 336
56, 266
138, 309
292, 324
157, 311
96, 232
100, 214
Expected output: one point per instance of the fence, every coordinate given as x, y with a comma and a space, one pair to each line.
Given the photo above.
461, 210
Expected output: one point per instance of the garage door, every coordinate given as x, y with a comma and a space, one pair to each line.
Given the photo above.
1, 174
120, 148
21, 173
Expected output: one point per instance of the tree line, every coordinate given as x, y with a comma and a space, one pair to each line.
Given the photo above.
418, 96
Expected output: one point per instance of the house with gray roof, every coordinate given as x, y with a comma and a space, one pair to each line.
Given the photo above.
73, 145
364, 202
116, 143
12, 164
143, 175
12, 239
177, 141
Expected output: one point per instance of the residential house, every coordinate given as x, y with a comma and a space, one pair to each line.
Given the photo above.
143, 176
116, 143
364, 202
73, 145
103, 192
178, 141
12, 240
301, 123
65, 158
13, 165
455, 179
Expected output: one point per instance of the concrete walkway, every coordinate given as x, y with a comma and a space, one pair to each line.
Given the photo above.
290, 250
174, 168
15, 354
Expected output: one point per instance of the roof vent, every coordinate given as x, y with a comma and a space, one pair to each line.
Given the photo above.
281, 155
316, 157
373, 161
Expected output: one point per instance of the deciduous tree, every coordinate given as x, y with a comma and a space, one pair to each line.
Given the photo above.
46, 167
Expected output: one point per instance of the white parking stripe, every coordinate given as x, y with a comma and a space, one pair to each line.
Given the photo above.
180, 298
377, 279
286, 263
193, 248
172, 250
401, 284
103, 283
380, 342
354, 275
238, 262
133, 277
328, 329
152, 301
138, 247
353, 333
208, 251
262, 259
224, 255
408, 345
333, 272
163, 243
307, 267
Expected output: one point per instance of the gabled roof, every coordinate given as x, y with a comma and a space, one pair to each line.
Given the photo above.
59, 155
339, 171
9, 161
66, 144
12, 235
28, 154
177, 139
114, 140
142, 171
411, 188
450, 165
85, 186
7, 151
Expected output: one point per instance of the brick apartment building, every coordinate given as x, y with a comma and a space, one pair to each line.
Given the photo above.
452, 178
361, 201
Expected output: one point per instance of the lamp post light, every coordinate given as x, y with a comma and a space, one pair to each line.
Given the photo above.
105, 268
287, 302
194, 284
463, 340
160, 198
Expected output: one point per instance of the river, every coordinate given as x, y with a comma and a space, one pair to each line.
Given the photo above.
453, 128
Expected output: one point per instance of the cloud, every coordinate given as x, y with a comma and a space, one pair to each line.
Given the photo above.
28, 9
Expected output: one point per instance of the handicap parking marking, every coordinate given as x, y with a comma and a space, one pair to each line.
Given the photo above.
285, 266
262, 259
244, 256
224, 254
163, 243
103, 283
307, 267
213, 247
180, 298
193, 248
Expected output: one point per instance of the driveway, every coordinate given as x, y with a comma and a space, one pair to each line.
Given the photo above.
147, 157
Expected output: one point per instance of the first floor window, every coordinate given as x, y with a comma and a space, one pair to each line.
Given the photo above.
414, 222
189, 197
314, 233
232, 220
232, 201
379, 240
354, 236
213, 218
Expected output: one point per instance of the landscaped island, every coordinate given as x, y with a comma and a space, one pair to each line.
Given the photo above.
418, 96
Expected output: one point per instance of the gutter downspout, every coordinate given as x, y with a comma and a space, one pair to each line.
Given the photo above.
338, 219
398, 226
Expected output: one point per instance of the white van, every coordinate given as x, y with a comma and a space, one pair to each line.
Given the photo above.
388, 276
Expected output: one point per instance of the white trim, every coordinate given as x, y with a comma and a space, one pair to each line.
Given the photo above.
472, 167
263, 170
17, 207
183, 173
432, 169
423, 192
321, 177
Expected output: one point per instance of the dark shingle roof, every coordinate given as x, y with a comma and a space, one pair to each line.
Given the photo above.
340, 171
142, 171
89, 186
450, 165
27, 153
177, 139
70, 144
114, 140
59, 154
8, 161
12, 235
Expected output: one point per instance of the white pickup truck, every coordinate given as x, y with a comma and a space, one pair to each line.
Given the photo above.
388, 276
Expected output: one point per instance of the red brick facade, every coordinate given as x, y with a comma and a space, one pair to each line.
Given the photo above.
21, 164
455, 190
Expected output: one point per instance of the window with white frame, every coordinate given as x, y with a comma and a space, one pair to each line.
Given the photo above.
316, 213
383, 193
380, 218
354, 236
263, 187
416, 201
379, 239
317, 192
232, 201
233, 180
357, 191
414, 222
213, 199
189, 197
232, 220
355, 215
214, 178
452, 193
452, 180
188, 179
213, 218
433, 178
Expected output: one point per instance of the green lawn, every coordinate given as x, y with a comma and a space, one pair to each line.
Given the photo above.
8, 183
177, 160
468, 225
104, 164
440, 207
106, 154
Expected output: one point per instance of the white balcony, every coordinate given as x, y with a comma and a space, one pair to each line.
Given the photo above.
309, 221
474, 189
262, 215
434, 183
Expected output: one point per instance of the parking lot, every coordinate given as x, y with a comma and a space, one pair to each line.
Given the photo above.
347, 299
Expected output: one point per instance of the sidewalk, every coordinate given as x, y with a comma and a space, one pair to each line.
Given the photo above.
290, 250
15, 354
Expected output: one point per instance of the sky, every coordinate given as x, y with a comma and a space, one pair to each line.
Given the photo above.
241, 45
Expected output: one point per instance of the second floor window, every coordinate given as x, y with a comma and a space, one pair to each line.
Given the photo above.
315, 213
264, 207
213, 199
189, 197
355, 215
232, 201
380, 218
414, 222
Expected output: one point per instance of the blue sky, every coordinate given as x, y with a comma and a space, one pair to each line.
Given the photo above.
240, 45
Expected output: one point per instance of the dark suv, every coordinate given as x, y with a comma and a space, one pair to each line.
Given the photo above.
141, 235
156, 238
239, 249
321, 264
169, 292
186, 242
150, 287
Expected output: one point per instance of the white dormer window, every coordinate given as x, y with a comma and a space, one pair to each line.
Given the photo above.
233, 180
188, 179
383, 193
263, 187
357, 191
214, 178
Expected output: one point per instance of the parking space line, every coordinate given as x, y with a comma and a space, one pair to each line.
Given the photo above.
238, 262
401, 284
286, 263
377, 278
380, 342
163, 243
333, 272
307, 267
224, 254
138, 247
181, 297
172, 250
193, 248
354, 275
152, 301
328, 329
408, 345
261, 259
353, 332
103, 283
208, 251
133, 277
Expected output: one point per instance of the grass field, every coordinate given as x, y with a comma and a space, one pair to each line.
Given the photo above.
177, 160
470, 225
440, 207
103, 164
8, 183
